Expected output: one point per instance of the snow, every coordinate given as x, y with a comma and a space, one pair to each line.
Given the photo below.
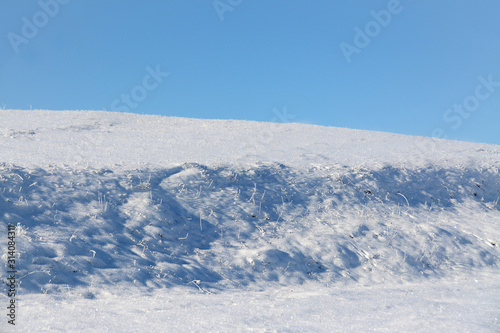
128, 141
130, 223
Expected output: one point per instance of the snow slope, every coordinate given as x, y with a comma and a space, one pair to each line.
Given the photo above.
265, 226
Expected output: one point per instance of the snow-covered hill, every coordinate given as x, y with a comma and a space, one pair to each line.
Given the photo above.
162, 209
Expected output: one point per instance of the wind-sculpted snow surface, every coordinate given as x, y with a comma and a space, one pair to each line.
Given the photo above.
248, 227
128, 223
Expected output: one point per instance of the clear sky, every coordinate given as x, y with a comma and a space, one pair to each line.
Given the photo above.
429, 68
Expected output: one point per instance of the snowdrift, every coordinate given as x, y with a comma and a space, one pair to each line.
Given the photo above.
107, 200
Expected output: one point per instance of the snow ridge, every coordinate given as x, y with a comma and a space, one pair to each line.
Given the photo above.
126, 221
230, 227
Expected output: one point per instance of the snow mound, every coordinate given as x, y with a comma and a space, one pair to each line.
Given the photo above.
125, 222
251, 227
124, 200
82, 139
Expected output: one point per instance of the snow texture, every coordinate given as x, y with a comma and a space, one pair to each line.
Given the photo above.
132, 223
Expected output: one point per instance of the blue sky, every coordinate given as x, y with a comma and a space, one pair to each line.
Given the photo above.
429, 68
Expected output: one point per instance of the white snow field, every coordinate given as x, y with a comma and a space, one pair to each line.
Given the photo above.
134, 223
